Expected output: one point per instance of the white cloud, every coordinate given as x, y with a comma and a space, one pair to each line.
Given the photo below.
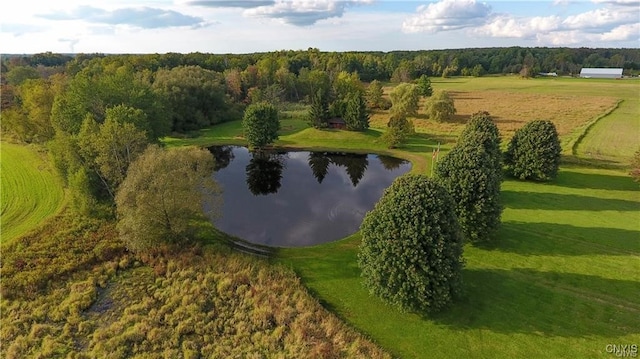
303, 12
141, 17
622, 33
635, 3
447, 15
599, 18
613, 21
508, 26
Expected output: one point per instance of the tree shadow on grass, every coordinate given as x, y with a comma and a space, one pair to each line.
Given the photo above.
572, 179
561, 239
571, 160
544, 303
566, 202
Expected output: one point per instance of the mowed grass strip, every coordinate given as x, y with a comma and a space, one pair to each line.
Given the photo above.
617, 135
560, 280
30, 192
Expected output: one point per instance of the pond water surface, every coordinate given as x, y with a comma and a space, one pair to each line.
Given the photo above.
294, 199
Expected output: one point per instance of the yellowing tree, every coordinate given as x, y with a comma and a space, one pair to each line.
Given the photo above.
163, 194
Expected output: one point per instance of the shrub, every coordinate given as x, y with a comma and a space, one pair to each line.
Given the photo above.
534, 152
411, 251
468, 174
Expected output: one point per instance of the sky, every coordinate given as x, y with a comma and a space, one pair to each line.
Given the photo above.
245, 26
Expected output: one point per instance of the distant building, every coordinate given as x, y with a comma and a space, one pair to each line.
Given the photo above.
552, 74
337, 122
601, 73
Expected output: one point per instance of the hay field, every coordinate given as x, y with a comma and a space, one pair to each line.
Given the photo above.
571, 104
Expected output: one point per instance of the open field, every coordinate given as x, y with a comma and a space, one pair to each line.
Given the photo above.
560, 280
572, 104
30, 191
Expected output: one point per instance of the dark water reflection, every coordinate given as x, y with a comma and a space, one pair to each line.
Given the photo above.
294, 199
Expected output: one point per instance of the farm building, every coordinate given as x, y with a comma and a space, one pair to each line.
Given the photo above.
337, 122
601, 73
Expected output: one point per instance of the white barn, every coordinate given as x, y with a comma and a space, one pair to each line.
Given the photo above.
601, 73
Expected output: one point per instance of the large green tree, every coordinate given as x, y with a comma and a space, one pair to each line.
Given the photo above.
356, 115
98, 87
164, 194
424, 86
195, 97
398, 129
374, 95
260, 124
411, 250
109, 148
318, 115
481, 129
468, 173
534, 152
404, 100
440, 107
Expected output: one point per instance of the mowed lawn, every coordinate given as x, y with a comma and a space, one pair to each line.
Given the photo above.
560, 280
30, 190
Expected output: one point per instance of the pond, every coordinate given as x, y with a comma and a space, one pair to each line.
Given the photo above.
296, 198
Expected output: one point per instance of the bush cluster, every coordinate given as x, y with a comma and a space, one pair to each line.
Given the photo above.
189, 302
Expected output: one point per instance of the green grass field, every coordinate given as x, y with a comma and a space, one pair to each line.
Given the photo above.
30, 190
560, 280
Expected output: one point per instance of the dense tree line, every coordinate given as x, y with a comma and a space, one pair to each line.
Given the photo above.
83, 106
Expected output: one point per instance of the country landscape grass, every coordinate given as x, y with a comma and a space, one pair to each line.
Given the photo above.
560, 279
31, 192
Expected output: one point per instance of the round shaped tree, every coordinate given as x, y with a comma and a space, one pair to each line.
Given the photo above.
534, 151
261, 124
411, 251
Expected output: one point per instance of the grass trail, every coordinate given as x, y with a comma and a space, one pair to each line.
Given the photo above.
560, 280
30, 190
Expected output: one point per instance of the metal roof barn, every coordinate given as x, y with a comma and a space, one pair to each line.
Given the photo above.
601, 73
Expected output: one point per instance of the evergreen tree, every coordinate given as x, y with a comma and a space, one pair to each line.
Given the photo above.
260, 124
411, 250
467, 172
318, 116
424, 86
534, 152
481, 129
356, 115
